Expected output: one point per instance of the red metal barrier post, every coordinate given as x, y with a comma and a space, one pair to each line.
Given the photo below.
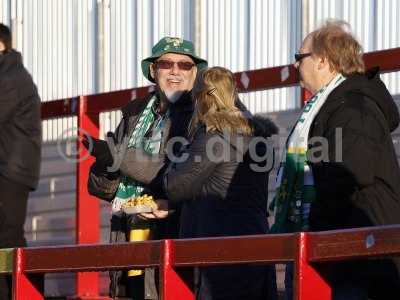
172, 287
309, 284
87, 207
25, 286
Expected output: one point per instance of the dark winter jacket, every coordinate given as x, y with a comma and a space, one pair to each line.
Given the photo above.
222, 192
358, 185
358, 182
104, 185
20, 122
214, 192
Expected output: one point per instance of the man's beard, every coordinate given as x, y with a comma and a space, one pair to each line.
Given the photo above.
173, 96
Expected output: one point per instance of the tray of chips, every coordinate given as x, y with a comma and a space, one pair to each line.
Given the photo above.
140, 204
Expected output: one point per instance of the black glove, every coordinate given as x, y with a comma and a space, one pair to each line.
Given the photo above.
100, 149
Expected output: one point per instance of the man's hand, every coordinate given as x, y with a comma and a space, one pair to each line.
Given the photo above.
99, 149
160, 212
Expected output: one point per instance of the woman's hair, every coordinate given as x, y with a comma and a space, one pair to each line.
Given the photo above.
214, 94
335, 42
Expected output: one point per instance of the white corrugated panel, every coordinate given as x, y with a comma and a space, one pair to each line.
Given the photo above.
388, 36
243, 35
5, 12
375, 23
129, 30
359, 14
58, 43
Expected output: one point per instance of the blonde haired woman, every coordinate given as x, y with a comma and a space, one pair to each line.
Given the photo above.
222, 190
216, 178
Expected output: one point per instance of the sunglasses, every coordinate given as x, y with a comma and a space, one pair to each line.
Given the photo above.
299, 56
168, 64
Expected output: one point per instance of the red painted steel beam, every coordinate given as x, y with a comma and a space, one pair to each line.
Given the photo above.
188, 252
115, 100
87, 207
268, 78
92, 257
388, 60
60, 108
309, 284
172, 286
354, 243
248, 81
25, 286
277, 248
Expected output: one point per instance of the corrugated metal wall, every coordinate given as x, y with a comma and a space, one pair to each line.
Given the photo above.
129, 29
243, 35
58, 41
86, 46
5, 11
387, 35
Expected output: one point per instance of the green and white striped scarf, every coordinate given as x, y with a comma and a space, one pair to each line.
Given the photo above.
295, 183
128, 187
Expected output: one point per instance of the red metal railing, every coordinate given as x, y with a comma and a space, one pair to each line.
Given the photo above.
306, 250
89, 108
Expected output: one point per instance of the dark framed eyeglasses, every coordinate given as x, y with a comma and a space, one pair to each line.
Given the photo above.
168, 64
299, 56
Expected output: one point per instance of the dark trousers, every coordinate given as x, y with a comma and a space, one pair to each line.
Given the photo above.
13, 202
236, 282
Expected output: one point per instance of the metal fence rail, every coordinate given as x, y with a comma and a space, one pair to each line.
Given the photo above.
306, 250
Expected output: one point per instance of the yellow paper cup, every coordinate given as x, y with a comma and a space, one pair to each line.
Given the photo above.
137, 235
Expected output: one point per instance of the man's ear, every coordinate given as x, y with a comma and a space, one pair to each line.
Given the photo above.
322, 63
153, 71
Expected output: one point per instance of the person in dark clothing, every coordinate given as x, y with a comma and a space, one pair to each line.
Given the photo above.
20, 147
221, 183
352, 177
147, 124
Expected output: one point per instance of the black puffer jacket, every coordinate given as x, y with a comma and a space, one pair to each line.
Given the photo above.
20, 122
